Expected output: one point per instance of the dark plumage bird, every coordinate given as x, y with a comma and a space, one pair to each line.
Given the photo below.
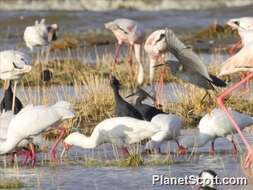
209, 179
6, 103
122, 107
147, 111
189, 66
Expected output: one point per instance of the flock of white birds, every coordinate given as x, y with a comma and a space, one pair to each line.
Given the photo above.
17, 131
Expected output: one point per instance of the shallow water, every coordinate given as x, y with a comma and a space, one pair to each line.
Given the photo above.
66, 175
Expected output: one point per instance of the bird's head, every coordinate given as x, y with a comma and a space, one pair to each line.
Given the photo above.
70, 141
245, 23
114, 82
52, 32
140, 92
64, 110
111, 26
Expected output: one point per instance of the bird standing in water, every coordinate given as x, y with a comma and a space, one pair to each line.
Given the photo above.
132, 33
157, 48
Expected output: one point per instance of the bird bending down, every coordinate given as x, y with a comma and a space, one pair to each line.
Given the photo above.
130, 32
215, 125
13, 65
170, 130
156, 48
240, 62
189, 66
33, 120
187, 74
121, 131
6, 103
147, 111
122, 108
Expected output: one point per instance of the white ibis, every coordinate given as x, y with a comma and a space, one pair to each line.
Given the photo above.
215, 125
120, 131
132, 33
170, 130
33, 120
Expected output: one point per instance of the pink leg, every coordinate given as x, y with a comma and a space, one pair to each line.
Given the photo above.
32, 154
246, 85
116, 56
160, 85
52, 152
130, 54
220, 100
125, 152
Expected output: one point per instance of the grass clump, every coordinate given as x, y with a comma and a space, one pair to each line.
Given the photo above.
11, 184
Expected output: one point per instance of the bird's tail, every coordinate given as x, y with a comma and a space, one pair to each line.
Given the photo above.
217, 82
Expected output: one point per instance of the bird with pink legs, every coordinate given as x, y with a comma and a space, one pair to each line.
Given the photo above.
157, 48
34, 120
242, 61
132, 33
244, 27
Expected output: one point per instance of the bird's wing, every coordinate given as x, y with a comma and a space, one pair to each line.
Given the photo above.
185, 55
241, 61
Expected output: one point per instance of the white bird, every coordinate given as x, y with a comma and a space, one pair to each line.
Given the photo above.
40, 34
13, 65
130, 32
33, 120
170, 130
121, 131
244, 26
215, 125
5, 119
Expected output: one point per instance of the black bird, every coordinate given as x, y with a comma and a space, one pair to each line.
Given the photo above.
6, 103
189, 66
122, 107
209, 180
147, 111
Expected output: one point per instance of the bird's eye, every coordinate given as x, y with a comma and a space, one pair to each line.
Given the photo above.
237, 23
16, 67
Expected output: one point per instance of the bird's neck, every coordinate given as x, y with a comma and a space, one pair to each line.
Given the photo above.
139, 101
90, 142
137, 51
117, 94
